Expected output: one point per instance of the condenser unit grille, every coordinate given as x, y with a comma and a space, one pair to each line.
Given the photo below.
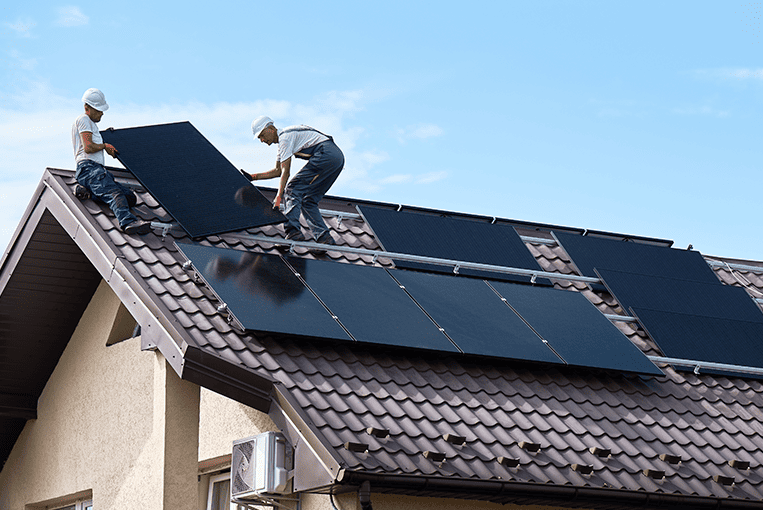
243, 477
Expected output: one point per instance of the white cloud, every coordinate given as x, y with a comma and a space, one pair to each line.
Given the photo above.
27, 64
729, 73
420, 131
747, 74
396, 179
431, 177
71, 16
22, 26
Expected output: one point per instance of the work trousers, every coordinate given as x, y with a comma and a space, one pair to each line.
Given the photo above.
306, 189
102, 186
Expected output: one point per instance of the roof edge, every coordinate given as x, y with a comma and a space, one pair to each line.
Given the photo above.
228, 379
525, 493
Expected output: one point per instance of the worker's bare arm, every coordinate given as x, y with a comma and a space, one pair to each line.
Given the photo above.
285, 167
270, 174
92, 147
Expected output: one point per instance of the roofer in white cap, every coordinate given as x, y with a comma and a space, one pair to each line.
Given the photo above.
305, 190
93, 178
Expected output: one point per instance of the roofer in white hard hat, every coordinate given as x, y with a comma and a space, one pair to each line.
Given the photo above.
93, 178
303, 192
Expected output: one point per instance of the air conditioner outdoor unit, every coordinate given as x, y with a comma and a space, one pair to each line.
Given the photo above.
260, 465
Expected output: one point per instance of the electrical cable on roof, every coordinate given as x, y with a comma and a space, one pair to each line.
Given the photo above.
742, 280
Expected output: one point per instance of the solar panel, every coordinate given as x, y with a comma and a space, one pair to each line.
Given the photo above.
474, 317
713, 339
589, 252
191, 179
575, 328
372, 306
680, 296
262, 292
450, 238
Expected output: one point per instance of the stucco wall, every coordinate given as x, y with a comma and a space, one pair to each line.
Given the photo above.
100, 422
222, 420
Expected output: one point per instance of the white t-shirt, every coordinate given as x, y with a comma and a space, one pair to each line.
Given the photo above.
295, 138
84, 124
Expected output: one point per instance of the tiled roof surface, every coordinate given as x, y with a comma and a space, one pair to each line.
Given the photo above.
705, 420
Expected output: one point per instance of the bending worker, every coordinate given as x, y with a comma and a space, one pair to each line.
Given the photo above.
93, 178
302, 193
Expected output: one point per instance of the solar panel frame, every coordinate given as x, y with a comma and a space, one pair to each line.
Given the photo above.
474, 317
713, 339
262, 292
589, 252
370, 304
680, 296
450, 238
191, 179
575, 328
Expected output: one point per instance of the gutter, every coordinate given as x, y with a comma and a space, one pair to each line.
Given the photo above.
523, 493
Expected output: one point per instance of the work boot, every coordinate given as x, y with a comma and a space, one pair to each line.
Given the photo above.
81, 192
295, 235
137, 227
326, 238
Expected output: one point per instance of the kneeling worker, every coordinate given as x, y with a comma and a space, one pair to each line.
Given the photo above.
93, 178
302, 193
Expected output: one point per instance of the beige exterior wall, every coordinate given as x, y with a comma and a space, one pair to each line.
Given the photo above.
222, 421
102, 422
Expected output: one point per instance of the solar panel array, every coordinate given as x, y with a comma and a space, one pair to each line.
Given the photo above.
450, 238
191, 179
286, 295
676, 297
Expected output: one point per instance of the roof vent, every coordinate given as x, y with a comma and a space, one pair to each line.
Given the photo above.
600, 452
530, 447
379, 433
454, 439
671, 459
434, 456
724, 480
356, 447
654, 474
507, 462
743, 465
583, 469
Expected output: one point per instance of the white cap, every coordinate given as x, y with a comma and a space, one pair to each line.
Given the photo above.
95, 99
259, 124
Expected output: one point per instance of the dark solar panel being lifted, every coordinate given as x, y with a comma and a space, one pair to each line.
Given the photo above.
450, 238
589, 252
262, 292
191, 179
575, 328
474, 317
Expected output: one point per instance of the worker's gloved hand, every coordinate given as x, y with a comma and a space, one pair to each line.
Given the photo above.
277, 201
248, 176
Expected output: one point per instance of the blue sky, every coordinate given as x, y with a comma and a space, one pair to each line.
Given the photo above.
640, 117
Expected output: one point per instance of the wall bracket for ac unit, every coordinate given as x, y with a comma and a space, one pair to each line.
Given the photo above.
255, 502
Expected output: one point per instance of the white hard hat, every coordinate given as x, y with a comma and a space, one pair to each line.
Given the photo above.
259, 124
95, 99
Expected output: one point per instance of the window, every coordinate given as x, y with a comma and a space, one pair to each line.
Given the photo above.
79, 505
218, 496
